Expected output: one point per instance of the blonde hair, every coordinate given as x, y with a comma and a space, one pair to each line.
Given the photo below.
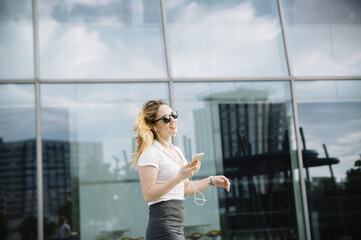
143, 128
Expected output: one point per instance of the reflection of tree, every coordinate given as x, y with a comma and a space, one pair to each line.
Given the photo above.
98, 176
108, 188
96, 170
353, 180
28, 228
4, 230
49, 228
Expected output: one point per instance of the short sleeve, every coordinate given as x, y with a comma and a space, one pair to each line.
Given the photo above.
149, 157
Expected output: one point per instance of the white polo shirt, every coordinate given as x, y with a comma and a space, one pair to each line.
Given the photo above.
156, 155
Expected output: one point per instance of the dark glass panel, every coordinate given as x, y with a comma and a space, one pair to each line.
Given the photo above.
247, 134
330, 121
18, 177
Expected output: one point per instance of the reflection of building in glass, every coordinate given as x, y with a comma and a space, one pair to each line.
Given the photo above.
256, 158
256, 155
18, 192
56, 173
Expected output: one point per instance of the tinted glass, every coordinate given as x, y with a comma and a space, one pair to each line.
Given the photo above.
225, 38
101, 39
324, 36
331, 125
18, 177
87, 145
16, 39
247, 134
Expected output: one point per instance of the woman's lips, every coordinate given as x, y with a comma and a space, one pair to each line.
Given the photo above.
173, 126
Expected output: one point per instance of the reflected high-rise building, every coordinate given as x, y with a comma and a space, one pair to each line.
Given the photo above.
256, 157
18, 189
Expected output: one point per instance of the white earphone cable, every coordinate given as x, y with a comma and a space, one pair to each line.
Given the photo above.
199, 201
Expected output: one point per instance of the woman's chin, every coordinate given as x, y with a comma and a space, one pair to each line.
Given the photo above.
173, 132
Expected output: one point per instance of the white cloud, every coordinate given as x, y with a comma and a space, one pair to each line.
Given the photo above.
70, 50
89, 2
227, 42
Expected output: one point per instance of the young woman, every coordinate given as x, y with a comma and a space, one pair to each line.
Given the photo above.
64, 231
164, 172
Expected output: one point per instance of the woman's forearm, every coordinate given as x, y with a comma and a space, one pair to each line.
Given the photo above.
191, 187
157, 190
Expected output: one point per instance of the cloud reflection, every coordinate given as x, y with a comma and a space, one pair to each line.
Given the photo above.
230, 41
106, 39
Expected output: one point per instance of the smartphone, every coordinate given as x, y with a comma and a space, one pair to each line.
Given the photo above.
196, 158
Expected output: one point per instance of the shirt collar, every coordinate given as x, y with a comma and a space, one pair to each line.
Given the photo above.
157, 144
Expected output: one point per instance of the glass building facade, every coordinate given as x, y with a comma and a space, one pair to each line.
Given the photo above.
270, 90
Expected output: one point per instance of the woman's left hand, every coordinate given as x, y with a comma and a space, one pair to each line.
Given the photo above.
221, 181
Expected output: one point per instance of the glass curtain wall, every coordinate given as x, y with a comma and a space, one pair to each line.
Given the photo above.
246, 131
101, 39
211, 38
109, 57
16, 29
330, 121
87, 145
18, 165
324, 36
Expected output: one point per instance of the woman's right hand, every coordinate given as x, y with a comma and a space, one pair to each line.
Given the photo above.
187, 171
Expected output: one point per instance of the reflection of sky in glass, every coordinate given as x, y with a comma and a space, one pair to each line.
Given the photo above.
17, 112
97, 120
16, 39
324, 36
101, 39
332, 117
225, 38
97, 113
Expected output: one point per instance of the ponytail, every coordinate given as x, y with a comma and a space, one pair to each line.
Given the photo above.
143, 124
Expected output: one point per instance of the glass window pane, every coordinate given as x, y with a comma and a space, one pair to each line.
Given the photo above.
87, 143
16, 39
101, 39
246, 131
331, 128
225, 38
18, 176
324, 36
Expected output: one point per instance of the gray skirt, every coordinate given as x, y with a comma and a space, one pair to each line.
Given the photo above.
166, 220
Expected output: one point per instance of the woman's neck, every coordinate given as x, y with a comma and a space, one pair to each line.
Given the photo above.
165, 141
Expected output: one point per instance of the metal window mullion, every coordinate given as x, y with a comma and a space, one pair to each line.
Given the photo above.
300, 162
39, 164
167, 52
39, 153
156, 80
262, 79
296, 124
285, 40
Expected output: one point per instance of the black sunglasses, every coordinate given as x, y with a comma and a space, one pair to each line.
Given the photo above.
166, 118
